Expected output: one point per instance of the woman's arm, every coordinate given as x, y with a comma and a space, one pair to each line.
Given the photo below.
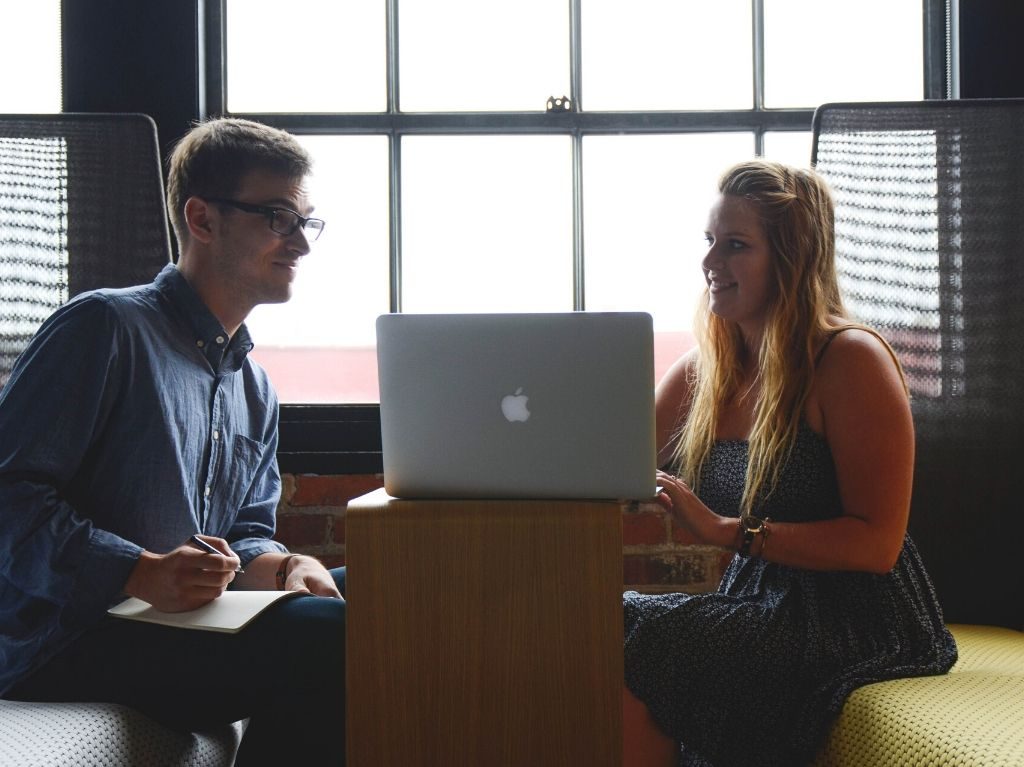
865, 418
863, 411
672, 398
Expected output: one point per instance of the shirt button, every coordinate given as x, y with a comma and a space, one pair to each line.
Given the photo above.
207, 491
220, 339
200, 344
216, 434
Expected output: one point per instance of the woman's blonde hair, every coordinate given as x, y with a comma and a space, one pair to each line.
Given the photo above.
797, 212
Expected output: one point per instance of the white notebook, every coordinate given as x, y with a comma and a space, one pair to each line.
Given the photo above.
230, 612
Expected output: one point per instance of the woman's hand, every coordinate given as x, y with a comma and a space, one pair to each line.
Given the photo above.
690, 513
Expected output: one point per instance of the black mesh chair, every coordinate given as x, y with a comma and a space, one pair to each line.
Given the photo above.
81, 207
930, 246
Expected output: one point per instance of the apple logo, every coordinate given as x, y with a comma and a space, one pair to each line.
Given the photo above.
513, 406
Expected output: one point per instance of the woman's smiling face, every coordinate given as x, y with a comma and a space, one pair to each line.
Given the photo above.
738, 264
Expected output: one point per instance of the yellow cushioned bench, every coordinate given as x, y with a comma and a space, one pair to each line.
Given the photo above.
971, 717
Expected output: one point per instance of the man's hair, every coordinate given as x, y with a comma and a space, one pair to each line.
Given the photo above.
211, 159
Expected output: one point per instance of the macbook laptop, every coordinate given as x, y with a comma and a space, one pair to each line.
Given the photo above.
557, 405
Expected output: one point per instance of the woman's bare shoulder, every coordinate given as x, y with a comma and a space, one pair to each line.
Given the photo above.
856, 367
850, 348
672, 399
680, 376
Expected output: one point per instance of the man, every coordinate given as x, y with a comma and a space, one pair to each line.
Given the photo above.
134, 420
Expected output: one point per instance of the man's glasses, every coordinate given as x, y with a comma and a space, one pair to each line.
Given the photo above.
282, 220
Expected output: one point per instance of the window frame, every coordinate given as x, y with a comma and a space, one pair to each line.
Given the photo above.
343, 438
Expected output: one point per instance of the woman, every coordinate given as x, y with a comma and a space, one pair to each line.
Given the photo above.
789, 438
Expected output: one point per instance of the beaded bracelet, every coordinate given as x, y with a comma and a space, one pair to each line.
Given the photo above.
765, 532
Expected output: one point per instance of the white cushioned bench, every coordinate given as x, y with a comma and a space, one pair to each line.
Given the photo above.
78, 734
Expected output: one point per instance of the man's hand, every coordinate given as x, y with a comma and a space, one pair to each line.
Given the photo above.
183, 579
308, 575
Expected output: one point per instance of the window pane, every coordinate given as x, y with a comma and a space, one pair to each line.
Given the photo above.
471, 55
666, 54
333, 60
320, 346
30, 57
486, 224
789, 147
646, 201
818, 51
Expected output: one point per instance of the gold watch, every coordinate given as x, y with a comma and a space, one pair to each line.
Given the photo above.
749, 527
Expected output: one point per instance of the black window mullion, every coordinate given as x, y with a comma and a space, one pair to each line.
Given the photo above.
575, 55
394, 163
395, 222
579, 300
940, 50
391, 46
213, 64
530, 123
757, 70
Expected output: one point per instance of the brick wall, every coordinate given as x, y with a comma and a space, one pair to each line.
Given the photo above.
311, 513
656, 557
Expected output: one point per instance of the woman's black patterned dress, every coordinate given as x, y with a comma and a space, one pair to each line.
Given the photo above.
754, 673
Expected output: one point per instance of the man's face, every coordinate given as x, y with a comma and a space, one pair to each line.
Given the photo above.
256, 264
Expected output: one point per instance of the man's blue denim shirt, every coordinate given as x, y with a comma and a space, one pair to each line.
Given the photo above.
129, 423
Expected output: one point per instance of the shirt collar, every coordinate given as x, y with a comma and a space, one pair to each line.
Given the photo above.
208, 334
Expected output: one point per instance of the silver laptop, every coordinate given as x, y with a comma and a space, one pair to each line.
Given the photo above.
517, 405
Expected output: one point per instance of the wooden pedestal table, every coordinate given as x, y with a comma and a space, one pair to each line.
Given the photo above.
483, 633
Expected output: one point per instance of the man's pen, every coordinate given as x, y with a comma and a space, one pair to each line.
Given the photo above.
195, 539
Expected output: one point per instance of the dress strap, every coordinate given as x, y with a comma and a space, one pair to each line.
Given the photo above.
831, 337
876, 334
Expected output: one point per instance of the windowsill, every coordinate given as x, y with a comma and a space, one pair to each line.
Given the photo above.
330, 439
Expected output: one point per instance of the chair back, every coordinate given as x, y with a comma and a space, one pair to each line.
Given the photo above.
81, 207
930, 251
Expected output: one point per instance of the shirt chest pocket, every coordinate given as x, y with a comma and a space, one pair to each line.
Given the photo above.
234, 477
